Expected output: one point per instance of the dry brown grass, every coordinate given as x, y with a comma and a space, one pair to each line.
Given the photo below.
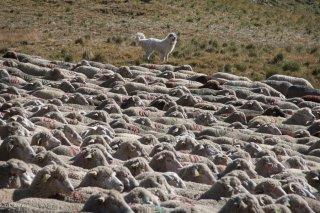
211, 33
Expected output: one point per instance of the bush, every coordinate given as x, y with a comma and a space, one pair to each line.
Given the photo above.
271, 71
276, 59
66, 55
250, 46
240, 67
4, 50
98, 57
291, 66
316, 71
227, 67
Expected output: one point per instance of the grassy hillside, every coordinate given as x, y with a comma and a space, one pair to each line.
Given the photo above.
254, 38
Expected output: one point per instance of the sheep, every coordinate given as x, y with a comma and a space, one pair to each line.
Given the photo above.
297, 188
290, 79
154, 180
137, 166
32, 205
72, 135
89, 158
302, 116
174, 180
26, 123
125, 176
269, 128
103, 177
44, 110
15, 173
48, 93
32, 69
186, 143
246, 182
281, 86
300, 91
296, 203
142, 196
198, 173
130, 149
165, 161
45, 139
268, 165
270, 187
13, 128
107, 202
205, 149
295, 162
225, 187
16, 147
48, 181
98, 130
229, 76
240, 164
276, 208
241, 203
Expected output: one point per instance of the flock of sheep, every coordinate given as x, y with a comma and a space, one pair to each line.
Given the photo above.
93, 137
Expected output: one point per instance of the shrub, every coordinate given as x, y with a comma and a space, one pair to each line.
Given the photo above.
87, 54
68, 58
316, 71
276, 59
291, 66
98, 57
250, 46
240, 67
227, 67
271, 71
79, 41
66, 55
4, 50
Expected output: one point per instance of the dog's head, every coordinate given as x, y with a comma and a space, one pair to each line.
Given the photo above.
172, 38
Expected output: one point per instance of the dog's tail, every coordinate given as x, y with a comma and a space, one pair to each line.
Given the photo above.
139, 36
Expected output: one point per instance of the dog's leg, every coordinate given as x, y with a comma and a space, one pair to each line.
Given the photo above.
164, 57
147, 55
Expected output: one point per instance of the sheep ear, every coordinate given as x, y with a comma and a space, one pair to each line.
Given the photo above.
93, 173
131, 147
292, 187
101, 200
45, 178
286, 202
196, 173
10, 146
89, 156
160, 157
135, 165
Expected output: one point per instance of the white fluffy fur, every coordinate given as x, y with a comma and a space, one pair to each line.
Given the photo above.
164, 46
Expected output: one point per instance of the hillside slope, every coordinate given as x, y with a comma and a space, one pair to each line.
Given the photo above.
252, 38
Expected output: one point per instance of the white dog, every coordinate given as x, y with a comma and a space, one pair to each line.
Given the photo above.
164, 46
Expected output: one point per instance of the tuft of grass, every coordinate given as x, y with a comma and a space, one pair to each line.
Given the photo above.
271, 70
98, 57
241, 67
277, 58
4, 50
79, 41
316, 71
228, 68
291, 66
87, 54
